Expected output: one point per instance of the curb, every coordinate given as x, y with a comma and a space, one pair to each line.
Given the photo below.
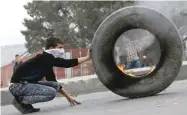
83, 85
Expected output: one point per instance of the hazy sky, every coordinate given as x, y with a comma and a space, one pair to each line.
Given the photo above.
12, 15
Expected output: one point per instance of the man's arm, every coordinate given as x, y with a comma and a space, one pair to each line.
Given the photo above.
68, 97
87, 57
14, 68
51, 77
84, 59
60, 62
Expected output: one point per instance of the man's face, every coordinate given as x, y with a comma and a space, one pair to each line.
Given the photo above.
17, 58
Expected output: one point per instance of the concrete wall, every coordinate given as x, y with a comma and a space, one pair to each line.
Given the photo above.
83, 85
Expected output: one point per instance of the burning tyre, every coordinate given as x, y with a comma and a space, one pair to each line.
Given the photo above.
131, 18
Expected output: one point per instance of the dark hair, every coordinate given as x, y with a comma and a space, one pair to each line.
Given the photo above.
16, 55
52, 42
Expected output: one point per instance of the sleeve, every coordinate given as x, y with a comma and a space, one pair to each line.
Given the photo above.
50, 76
60, 62
14, 68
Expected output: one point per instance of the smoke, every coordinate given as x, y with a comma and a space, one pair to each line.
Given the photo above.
175, 11
167, 8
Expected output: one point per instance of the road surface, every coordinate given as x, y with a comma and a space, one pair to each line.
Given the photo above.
172, 101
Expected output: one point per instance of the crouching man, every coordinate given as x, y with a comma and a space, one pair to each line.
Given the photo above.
26, 85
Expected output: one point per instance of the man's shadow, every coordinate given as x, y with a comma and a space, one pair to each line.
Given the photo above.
160, 95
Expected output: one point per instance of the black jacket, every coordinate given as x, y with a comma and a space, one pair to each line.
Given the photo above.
40, 66
16, 65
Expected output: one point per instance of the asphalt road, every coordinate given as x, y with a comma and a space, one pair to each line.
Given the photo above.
172, 101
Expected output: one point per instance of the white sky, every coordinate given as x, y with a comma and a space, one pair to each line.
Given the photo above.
12, 15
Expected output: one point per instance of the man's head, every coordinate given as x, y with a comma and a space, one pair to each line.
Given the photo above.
17, 57
53, 43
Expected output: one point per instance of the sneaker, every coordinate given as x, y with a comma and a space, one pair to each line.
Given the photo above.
31, 108
24, 108
18, 106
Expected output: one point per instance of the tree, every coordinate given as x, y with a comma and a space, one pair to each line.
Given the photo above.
75, 22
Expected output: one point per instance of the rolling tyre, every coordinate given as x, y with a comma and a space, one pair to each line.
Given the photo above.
132, 18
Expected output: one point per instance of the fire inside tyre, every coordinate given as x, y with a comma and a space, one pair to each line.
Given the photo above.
110, 30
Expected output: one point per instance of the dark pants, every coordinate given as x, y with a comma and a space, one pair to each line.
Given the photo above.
30, 93
133, 64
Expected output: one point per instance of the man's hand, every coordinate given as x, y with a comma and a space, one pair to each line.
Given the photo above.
87, 57
90, 46
69, 98
89, 51
73, 101
89, 54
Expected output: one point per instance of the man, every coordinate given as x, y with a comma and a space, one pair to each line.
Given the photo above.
131, 55
144, 61
26, 86
17, 63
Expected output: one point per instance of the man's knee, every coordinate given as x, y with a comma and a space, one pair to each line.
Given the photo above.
52, 93
56, 85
